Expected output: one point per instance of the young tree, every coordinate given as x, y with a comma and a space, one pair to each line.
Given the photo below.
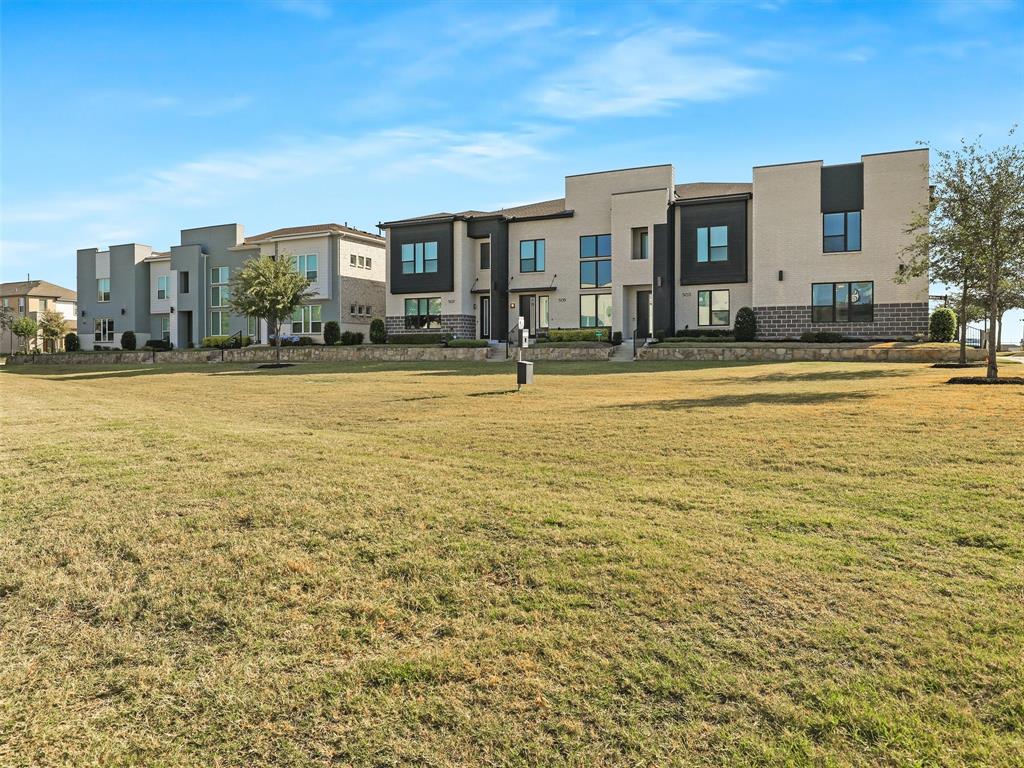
270, 289
52, 325
25, 329
6, 321
975, 239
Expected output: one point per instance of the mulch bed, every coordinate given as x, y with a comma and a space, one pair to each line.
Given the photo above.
276, 365
986, 380
958, 365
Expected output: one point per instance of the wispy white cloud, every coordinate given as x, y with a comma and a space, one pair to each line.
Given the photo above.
645, 73
313, 9
188, 106
857, 55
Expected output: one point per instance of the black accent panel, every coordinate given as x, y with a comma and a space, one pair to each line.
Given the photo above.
842, 188
664, 277
497, 230
441, 281
732, 214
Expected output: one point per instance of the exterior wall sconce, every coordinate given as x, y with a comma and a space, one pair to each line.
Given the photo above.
172, 310
123, 311
83, 313
780, 275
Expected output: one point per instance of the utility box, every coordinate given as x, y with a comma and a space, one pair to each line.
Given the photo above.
524, 372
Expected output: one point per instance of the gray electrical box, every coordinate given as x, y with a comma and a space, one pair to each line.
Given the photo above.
524, 372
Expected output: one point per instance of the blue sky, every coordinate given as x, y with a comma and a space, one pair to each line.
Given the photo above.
125, 122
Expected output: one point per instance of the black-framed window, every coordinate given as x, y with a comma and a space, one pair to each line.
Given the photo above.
640, 243
595, 246
531, 255
843, 302
596, 273
712, 244
419, 258
423, 313
713, 307
840, 231
183, 282
485, 255
596, 310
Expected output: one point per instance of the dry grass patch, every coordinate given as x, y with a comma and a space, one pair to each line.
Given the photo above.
656, 564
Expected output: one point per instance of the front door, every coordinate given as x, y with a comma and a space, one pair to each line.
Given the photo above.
643, 313
485, 317
526, 304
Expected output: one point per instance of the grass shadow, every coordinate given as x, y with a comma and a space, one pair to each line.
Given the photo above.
495, 392
753, 398
854, 375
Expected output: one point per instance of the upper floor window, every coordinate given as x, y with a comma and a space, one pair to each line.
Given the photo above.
423, 313
595, 246
44, 304
306, 265
640, 243
843, 302
162, 286
103, 289
596, 274
841, 231
485, 255
369, 262
218, 276
531, 255
362, 261
712, 244
219, 289
419, 258
713, 307
352, 259
183, 282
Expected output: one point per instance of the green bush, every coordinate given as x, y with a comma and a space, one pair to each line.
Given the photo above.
659, 335
71, 342
683, 339
306, 341
378, 331
128, 340
821, 337
699, 332
351, 338
617, 338
942, 325
745, 325
420, 338
332, 332
472, 343
580, 334
225, 342
158, 344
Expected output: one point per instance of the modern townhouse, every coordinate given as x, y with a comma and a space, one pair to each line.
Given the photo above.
30, 298
181, 295
809, 247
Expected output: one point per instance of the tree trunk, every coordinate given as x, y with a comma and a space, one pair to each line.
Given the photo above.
277, 340
993, 312
963, 323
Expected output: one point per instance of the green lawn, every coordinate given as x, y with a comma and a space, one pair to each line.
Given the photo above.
647, 565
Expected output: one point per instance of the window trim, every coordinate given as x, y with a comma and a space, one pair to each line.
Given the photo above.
107, 325
849, 315
302, 266
306, 321
166, 290
102, 297
711, 308
597, 273
543, 257
846, 233
709, 247
419, 258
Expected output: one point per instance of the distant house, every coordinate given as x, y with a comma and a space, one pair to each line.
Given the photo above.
32, 298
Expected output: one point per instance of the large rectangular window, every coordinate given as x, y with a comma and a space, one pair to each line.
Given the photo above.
423, 313
595, 246
103, 289
307, 319
306, 265
104, 329
596, 310
219, 318
543, 311
163, 287
165, 327
219, 323
531, 255
841, 232
640, 243
596, 273
843, 302
713, 307
712, 244
485, 255
419, 258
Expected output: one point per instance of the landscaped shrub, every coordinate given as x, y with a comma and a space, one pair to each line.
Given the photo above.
580, 334
158, 344
471, 343
617, 338
659, 335
306, 341
71, 342
699, 333
225, 342
821, 337
351, 338
691, 339
419, 338
332, 333
128, 340
378, 331
942, 325
745, 326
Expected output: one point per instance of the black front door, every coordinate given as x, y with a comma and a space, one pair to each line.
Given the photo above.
526, 310
485, 317
643, 314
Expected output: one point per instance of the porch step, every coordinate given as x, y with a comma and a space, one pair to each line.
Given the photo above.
623, 353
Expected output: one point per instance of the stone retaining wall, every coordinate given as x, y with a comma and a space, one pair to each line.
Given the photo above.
575, 354
769, 352
366, 353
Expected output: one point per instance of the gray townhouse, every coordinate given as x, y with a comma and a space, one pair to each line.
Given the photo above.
180, 295
810, 247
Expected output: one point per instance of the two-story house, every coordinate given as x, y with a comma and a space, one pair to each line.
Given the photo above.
30, 298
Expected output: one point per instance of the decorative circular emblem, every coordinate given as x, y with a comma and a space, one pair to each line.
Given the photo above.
855, 296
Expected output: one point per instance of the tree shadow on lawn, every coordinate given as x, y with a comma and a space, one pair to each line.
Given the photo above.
830, 375
752, 398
